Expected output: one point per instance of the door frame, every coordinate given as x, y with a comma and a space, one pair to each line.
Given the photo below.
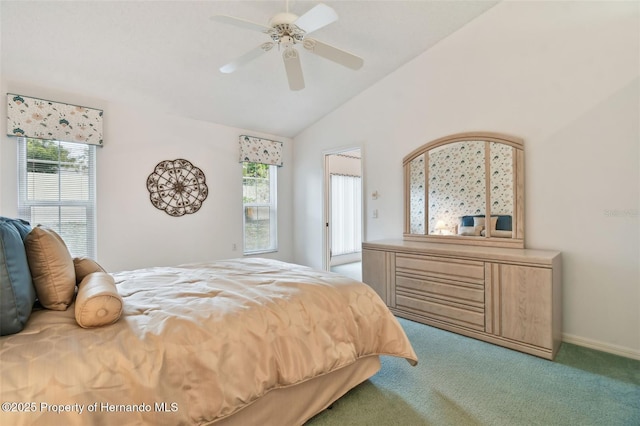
326, 202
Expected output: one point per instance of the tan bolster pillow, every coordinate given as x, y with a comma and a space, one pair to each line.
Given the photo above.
98, 302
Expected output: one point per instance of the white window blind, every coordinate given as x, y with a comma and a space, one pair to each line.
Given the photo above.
259, 184
346, 214
57, 190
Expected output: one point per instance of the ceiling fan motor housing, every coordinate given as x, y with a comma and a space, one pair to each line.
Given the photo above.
282, 18
284, 31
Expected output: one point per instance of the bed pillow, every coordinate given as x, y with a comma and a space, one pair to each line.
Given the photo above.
52, 270
22, 226
84, 266
98, 302
473, 231
17, 294
466, 220
504, 222
480, 221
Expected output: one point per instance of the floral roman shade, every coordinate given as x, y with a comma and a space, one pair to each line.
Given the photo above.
42, 119
257, 150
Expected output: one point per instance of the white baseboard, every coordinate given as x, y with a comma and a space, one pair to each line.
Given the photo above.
601, 346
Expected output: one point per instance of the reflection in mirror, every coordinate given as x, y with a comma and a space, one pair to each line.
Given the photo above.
417, 196
501, 188
456, 185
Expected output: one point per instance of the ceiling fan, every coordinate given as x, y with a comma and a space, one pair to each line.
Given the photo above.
287, 30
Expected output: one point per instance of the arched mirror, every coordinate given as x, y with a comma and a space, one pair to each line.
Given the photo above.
466, 188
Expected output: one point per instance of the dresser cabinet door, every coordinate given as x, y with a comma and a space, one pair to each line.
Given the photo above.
522, 304
375, 272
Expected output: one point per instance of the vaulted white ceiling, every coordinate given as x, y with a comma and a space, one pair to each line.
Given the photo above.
166, 54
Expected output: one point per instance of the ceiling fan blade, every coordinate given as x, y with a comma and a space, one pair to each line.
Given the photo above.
316, 18
239, 22
293, 68
247, 57
334, 54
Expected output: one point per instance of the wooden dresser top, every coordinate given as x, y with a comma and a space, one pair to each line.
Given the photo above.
499, 254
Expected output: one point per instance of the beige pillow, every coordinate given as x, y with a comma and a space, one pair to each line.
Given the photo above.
473, 231
480, 221
98, 302
84, 266
51, 265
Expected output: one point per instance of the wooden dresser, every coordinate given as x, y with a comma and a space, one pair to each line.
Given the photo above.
506, 296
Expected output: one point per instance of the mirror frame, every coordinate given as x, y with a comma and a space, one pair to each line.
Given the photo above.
517, 241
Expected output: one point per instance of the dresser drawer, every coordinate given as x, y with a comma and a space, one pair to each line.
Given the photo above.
438, 267
448, 313
469, 294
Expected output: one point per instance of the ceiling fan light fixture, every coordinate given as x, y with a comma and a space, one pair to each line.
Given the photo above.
286, 41
285, 30
290, 53
267, 46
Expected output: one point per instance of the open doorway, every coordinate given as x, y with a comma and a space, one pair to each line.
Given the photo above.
343, 212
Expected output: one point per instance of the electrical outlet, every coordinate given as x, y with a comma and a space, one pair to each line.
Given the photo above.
375, 213
234, 247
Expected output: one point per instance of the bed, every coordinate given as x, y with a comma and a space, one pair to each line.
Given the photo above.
240, 341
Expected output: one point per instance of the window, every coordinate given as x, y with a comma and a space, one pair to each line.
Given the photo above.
57, 190
259, 207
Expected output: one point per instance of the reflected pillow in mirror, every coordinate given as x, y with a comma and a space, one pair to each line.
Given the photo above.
480, 221
504, 222
473, 231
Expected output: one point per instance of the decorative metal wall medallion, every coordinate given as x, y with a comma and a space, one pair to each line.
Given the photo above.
177, 187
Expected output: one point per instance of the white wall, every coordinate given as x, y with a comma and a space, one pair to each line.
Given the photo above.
131, 232
564, 76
